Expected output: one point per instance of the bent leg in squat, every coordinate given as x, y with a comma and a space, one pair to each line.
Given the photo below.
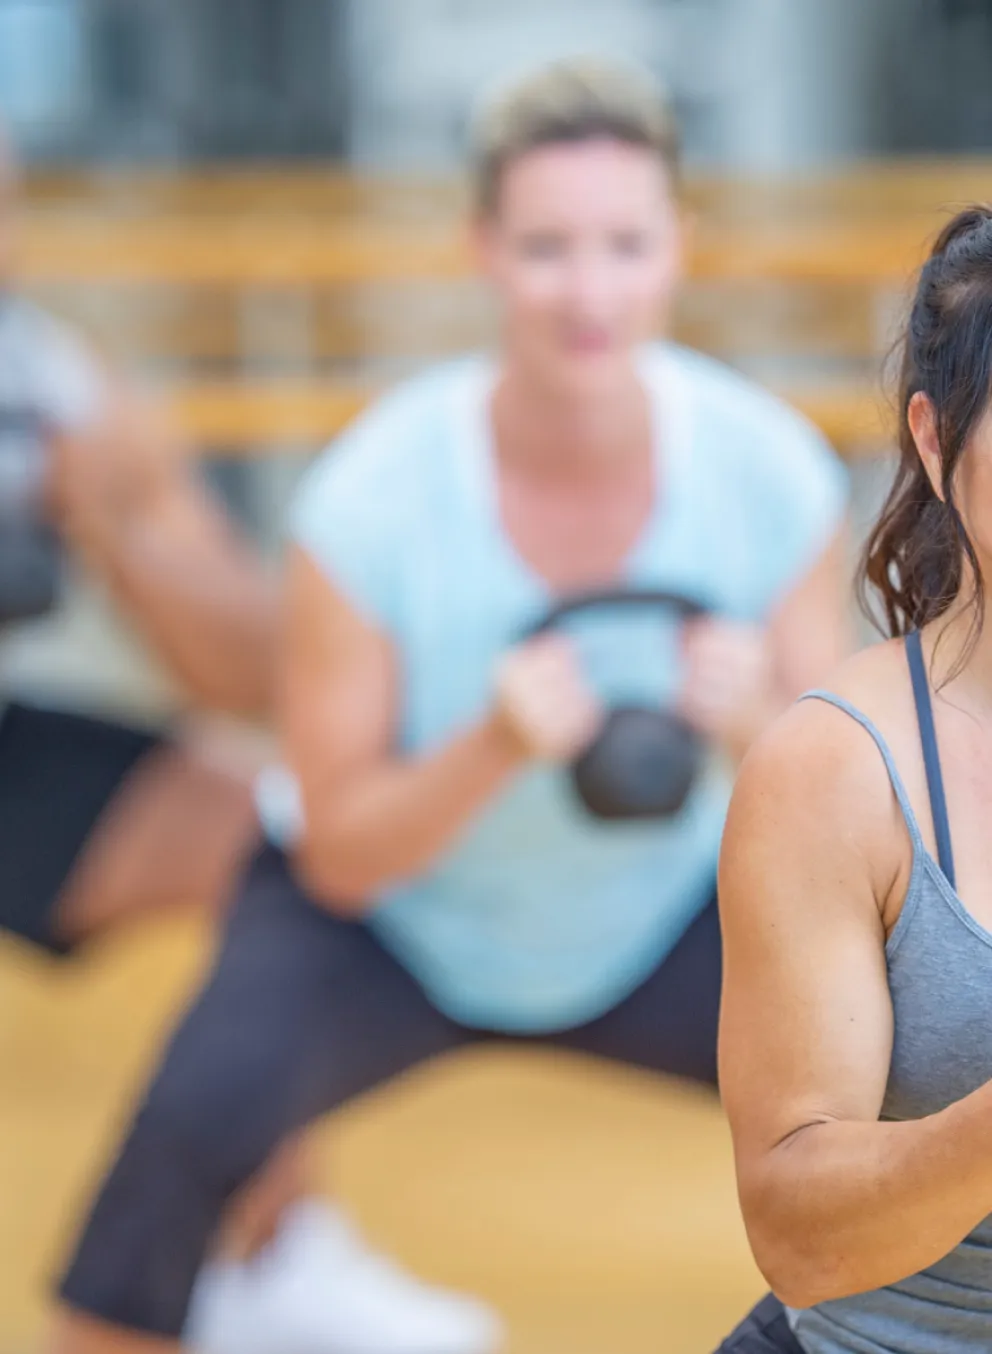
302, 1012
177, 830
175, 833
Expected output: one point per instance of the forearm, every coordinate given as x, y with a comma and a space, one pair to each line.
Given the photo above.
844, 1207
398, 817
210, 614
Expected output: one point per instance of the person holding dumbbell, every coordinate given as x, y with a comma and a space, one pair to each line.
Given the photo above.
499, 815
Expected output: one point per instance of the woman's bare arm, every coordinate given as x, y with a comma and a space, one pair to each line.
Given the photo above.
130, 502
835, 1202
372, 817
740, 677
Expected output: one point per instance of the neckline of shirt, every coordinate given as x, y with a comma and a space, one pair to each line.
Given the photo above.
670, 399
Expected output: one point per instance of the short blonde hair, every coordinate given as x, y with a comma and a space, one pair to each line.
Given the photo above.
574, 100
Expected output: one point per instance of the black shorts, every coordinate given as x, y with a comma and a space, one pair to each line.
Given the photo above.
58, 773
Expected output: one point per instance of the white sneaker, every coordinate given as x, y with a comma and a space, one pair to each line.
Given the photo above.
317, 1289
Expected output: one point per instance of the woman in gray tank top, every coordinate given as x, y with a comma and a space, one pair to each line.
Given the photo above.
856, 1039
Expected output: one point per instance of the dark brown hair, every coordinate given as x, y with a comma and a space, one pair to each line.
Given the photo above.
916, 554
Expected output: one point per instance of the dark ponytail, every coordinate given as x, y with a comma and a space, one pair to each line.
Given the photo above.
916, 554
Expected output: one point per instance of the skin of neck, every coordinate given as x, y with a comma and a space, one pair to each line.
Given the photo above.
558, 434
954, 635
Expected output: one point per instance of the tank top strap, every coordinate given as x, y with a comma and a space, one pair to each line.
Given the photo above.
890, 765
931, 754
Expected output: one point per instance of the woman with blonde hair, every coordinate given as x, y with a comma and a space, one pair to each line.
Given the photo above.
434, 877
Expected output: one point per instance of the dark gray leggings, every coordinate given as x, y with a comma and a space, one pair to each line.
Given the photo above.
766, 1330
302, 1012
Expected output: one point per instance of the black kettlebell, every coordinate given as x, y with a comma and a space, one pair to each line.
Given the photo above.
644, 760
30, 570
30, 553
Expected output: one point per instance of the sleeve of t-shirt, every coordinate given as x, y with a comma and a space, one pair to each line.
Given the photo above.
799, 501
349, 509
71, 385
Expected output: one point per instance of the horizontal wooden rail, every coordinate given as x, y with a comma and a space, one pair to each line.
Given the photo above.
232, 253
250, 253
279, 225
893, 183
256, 418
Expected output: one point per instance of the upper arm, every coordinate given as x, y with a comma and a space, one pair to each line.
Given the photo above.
349, 530
806, 1024
127, 474
183, 511
338, 682
800, 495
810, 629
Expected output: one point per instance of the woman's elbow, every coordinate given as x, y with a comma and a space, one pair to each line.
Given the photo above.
793, 1283
339, 885
797, 1261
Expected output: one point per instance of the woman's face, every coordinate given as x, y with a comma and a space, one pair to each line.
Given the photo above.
584, 249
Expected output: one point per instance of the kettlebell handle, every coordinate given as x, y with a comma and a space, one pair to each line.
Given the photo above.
687, 608
643, 762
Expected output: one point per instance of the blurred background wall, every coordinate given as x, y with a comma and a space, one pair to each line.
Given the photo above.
761, 84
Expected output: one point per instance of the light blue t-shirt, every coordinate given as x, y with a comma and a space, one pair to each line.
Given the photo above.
540, 916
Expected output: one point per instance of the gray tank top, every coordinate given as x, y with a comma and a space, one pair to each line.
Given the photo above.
939, 962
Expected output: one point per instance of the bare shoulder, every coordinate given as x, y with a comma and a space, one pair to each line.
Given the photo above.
820, 747
876, 681
815, 780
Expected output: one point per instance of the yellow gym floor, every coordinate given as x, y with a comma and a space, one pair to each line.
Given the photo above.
594, 1205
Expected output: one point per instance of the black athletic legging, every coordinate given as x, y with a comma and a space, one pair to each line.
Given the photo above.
303, 1011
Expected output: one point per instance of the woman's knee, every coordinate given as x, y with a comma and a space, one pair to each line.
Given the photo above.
174, 835
241, 1072
208, 1124
249, 1061
227, 1096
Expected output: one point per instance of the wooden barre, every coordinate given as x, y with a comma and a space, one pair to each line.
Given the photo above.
418, 322
253, 418
256, 418
249, 253
279, 225
893, 183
